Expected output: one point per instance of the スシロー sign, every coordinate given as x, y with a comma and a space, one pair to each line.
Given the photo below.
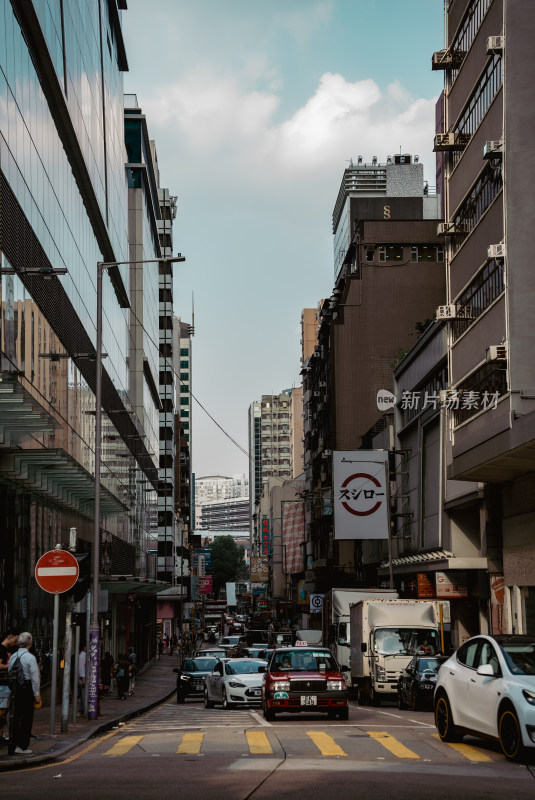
56, 571
360, 494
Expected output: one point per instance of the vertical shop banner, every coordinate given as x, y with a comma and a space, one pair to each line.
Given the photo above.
497, 599
264, 537
231, 594
259, 569
360, 494
205, 584
293, 535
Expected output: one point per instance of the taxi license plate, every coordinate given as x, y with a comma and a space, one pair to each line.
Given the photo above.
309, 700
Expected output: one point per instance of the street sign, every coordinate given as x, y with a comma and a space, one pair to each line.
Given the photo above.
56, 571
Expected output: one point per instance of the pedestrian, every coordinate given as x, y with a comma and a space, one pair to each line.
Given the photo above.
132, 656
9, 643
82, 660
106, 666
160, 648
27, 693
123, 676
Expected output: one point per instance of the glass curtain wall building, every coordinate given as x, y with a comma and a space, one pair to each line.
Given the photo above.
63, 208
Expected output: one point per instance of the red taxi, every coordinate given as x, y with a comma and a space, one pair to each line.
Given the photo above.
304, 678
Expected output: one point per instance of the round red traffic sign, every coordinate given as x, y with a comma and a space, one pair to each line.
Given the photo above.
56, 571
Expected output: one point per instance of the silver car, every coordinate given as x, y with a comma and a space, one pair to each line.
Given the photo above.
234, 681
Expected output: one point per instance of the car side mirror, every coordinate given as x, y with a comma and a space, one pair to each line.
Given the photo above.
487, 670
262, 669
363, 647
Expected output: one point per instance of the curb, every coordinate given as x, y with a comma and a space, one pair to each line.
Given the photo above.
90, 733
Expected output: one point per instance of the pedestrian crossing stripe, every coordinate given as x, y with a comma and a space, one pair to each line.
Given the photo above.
392, 744
191, 744
469, 752
122, 747
326, 744
258, 742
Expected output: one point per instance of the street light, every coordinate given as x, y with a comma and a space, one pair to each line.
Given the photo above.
94, 644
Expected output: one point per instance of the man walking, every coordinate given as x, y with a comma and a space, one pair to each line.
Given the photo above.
27, 692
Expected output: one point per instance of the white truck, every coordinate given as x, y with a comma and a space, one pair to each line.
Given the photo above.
385, 635
335, 619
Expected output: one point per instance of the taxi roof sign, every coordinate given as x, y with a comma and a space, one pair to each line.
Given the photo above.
301, 644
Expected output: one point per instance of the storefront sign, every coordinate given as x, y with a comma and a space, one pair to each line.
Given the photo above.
265, 537
360, 494
451, 584
426, 587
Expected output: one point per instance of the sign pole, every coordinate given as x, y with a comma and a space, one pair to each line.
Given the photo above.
54, 665
66, 673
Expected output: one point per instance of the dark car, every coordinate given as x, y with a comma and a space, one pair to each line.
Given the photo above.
417, 683
304, 679
190, 677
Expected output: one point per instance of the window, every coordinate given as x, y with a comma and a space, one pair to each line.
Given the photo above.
427, 252
166, 324
184, 413
184, 376
467, 653
166, 461
369, 254
478, 296
166, 434
166, 378
391, 252
166, 350
483, 194
184, 351
165, 295
184, 401
167, 406
184, 364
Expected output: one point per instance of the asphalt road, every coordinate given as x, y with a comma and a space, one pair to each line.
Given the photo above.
189, 752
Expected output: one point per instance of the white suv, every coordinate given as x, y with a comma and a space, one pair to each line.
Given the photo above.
488, 688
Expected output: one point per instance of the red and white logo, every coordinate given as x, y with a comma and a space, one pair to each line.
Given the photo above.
361, 494
56, 571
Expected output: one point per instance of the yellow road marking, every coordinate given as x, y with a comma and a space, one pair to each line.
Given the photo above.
466, 750
392, 744
326, 744
123, 746
258, 742
191, 743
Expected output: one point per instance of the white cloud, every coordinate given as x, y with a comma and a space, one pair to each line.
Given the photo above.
215, 116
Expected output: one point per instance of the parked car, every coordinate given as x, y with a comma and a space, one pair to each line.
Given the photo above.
487, 688
190, 677
417, 683
234, 681
304, 679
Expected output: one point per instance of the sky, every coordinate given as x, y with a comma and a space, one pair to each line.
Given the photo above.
257, 107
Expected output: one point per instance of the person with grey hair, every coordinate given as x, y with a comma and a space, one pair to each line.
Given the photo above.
27, 693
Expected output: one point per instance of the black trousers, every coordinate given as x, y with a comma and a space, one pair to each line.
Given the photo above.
24, 701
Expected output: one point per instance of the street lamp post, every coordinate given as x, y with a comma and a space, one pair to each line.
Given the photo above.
94, 643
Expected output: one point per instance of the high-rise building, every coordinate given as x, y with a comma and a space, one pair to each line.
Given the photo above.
389, 280
488, 119
66, 184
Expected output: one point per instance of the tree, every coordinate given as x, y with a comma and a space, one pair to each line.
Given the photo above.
227, 562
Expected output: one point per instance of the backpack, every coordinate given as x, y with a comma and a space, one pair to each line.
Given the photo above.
16, 673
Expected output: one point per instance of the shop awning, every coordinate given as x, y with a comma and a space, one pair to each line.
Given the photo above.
431, 562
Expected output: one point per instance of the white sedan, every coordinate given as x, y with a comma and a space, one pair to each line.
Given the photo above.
487, 688
234, 681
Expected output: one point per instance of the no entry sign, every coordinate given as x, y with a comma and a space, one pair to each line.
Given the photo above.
56, 571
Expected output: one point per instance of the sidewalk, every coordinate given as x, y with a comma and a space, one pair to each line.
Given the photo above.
155, 682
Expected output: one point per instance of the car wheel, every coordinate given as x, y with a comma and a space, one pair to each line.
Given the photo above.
269, 714
362, 697
509, 734
224, 701
207, 703
343, 714
444, 720
415, 703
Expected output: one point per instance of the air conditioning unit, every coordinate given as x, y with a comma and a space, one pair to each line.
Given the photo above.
327, 453
493, 149
322, 384
447, 59
497, 352
447, 312
317, 394
496, 251
451, 141
495, 45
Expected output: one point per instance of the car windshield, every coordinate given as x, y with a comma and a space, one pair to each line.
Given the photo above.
200, 664
231, 640
243, 667
301, 660
405, 641
520, 658
427, 663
